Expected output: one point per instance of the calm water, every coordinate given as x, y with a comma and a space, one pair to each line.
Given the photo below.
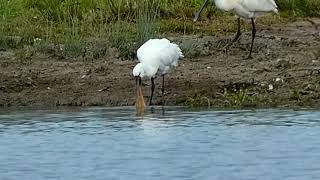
101, 143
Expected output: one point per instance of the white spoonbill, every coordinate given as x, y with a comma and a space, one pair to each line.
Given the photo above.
248, 9
155, 56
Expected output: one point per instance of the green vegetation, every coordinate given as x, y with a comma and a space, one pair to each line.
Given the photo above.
197, 100
86, 28
299, 7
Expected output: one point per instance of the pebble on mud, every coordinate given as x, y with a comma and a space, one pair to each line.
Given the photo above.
270, 87
83, 76
279, 80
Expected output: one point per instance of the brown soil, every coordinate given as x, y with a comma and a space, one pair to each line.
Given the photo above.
286, 57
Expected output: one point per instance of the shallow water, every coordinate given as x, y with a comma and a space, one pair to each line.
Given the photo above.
112, 143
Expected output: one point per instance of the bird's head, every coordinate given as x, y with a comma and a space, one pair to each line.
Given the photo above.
138, 70
138, 74
145, 71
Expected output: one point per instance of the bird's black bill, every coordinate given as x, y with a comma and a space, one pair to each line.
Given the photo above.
196, 17
137, 86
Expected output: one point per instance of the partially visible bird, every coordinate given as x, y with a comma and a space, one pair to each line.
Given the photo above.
155, 56
248, 9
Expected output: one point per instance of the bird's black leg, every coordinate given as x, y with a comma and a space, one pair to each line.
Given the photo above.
253, 36
162, 90
236, 37
152, 90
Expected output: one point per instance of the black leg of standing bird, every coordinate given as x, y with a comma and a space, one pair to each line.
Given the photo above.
152, 90
162, 90
236, 37
253, 36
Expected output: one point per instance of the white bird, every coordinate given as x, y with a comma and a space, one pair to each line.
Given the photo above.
248, 9
155, 56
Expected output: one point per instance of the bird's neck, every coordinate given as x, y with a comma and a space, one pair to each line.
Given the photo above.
150, 71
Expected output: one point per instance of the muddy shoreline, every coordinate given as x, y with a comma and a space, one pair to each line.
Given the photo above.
284, 71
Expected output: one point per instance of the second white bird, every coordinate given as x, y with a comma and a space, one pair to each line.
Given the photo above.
248, 9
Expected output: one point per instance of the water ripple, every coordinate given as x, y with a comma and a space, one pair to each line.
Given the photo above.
112, 143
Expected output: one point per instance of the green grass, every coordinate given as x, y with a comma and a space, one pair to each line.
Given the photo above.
299, 7
79, 25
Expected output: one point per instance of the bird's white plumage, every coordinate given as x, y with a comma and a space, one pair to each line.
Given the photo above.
247, 8
160, 51
259, 5
156, 55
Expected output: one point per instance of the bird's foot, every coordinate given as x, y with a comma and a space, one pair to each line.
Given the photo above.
150, 102
249, 57
162, 101
152, 110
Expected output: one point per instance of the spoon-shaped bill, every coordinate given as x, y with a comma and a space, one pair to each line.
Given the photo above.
196, 17
140, 103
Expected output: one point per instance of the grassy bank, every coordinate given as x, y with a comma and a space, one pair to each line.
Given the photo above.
87, 28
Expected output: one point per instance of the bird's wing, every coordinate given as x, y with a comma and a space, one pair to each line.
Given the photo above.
145, 51
160, 52
259, 5
171, 53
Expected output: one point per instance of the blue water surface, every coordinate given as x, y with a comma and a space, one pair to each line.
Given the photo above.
113, 143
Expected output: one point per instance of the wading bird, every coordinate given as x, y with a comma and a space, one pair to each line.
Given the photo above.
155, 56
248, 9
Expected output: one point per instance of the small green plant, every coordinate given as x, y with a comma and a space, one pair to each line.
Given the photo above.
237, 99
196, 100
190, 49
295, 95
25, 53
